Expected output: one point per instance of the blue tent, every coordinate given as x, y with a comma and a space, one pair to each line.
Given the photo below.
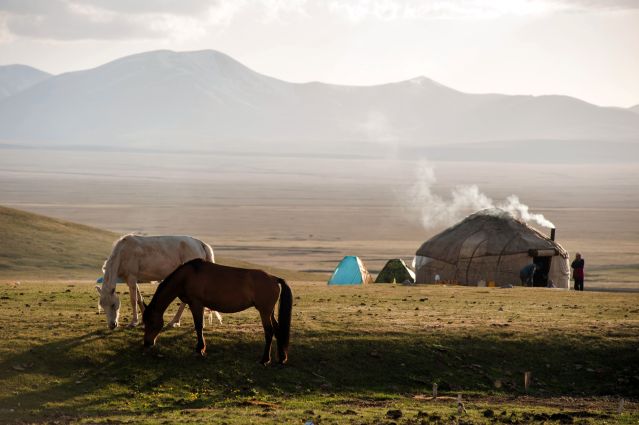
350, 271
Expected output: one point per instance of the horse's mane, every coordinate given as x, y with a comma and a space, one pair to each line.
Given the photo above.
195, 263
208, 252
111, 265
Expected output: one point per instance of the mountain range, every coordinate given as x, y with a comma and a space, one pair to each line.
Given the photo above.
16, 78
206, 100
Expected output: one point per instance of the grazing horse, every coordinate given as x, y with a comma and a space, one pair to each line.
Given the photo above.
228, 290
138, 258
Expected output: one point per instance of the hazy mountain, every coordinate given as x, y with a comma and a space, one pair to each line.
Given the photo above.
635, 108
15, 78
207, 100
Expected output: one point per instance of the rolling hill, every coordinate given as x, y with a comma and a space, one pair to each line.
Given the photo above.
15, 78
39, 247
205, 100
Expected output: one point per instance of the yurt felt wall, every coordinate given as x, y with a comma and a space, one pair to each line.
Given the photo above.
490, 245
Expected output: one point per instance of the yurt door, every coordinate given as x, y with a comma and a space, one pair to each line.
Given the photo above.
540, 278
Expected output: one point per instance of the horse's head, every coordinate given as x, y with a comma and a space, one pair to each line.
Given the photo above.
110, 303
153, 324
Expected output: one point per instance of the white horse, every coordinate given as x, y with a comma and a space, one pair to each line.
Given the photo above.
145, 258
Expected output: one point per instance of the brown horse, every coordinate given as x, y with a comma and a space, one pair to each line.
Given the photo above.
202, 284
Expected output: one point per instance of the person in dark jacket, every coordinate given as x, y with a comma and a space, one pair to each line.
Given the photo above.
578, 272
527, 273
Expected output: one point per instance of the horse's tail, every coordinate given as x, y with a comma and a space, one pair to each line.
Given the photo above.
208, 252
284, 314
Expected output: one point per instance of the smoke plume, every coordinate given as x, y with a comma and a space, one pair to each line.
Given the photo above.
463, 200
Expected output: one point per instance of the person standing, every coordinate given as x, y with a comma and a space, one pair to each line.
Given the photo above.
578, 272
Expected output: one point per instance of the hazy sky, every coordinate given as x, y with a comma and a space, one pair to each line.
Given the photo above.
583, 48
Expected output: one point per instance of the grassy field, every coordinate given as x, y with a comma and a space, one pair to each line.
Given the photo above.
362, 355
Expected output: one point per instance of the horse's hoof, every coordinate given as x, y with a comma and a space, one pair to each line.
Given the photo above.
265, 363
173, 325
153, 354
132, 325
199, 354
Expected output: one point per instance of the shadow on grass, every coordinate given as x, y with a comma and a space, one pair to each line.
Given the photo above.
104, 372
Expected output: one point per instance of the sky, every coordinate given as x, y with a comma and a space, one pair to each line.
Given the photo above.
588, 49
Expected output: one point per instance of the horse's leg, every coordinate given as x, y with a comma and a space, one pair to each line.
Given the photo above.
140, 298
210, 315
131, 281
204, 317
276, 326
281, 355
175, 322
268, 336
197, 310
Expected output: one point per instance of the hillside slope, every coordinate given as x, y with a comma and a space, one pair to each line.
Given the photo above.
38, 246
15, 78
35, 247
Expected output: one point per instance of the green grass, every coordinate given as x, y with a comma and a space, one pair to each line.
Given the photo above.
356, 354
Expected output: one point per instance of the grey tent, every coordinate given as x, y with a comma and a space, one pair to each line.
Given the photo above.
491, 246
395, 270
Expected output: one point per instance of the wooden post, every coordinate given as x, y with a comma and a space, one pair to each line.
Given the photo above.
434, 390
527, 380
620, 407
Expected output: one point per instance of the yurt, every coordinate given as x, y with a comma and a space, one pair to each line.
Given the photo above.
492, 246
350, 271
396, 271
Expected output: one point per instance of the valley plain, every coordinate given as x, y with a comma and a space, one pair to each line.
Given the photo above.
305, 213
